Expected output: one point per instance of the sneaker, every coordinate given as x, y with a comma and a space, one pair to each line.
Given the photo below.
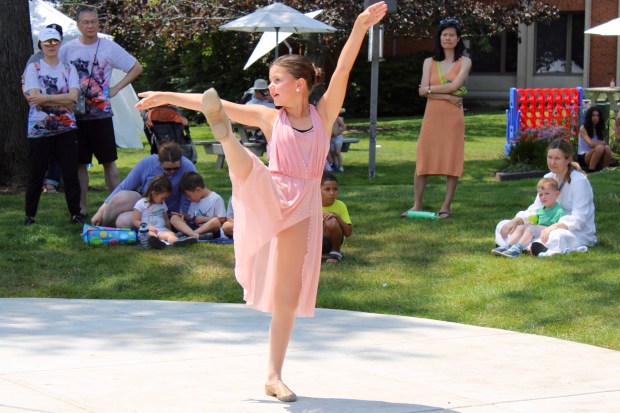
512, 252
340, 168
77, 219
184, 242
537, 247
156, 243
29, 221
499, 250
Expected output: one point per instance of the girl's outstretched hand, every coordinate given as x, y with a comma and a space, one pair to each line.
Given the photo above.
150, 100
372, 15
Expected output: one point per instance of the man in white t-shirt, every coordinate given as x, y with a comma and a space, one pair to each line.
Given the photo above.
94, 58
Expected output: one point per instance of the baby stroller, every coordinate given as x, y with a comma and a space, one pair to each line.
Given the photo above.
165, 123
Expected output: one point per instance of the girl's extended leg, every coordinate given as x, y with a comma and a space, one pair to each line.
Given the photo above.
291, 249
239, 161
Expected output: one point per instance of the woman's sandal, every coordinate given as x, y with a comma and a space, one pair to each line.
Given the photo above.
334, 257
444, 214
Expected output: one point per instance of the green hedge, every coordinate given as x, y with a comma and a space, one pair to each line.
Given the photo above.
399, 79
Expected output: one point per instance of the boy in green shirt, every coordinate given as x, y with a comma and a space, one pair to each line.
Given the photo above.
548, 214
336, 220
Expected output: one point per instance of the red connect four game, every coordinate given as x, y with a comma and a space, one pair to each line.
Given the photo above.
533, 108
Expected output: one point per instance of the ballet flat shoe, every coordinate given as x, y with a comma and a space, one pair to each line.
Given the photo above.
216, 116
280, 391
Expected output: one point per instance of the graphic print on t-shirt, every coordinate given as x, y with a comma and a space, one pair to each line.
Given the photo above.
49, 120
93, 83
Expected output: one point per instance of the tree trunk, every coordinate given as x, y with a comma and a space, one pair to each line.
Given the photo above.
15, 48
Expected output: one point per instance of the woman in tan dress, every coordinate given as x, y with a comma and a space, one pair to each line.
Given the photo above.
441, 144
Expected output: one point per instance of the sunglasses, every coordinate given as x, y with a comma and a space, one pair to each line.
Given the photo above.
449, 21
51, 42
171, 169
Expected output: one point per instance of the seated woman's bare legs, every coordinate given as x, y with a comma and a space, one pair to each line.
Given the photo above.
118, 212
289, 257
419, 185
239, 161
606, 159
593, 157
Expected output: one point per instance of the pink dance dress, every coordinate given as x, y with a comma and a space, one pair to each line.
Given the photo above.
273, 198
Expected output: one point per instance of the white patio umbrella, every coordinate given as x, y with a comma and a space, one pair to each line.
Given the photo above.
611, 28
267, 40
275, 18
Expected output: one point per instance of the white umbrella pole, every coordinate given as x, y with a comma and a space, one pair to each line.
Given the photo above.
277, 30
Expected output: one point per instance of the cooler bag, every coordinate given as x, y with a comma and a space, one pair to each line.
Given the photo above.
107, 235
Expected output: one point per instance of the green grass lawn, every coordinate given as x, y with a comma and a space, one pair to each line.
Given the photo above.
433, 269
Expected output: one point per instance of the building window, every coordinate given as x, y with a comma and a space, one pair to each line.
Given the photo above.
497, 55
559, 45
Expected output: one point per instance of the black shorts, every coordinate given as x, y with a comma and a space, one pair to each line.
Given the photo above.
96, 137
581, 159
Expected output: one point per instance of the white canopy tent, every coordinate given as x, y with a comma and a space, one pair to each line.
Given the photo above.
277, 18
611, 28
128, 125
268, 41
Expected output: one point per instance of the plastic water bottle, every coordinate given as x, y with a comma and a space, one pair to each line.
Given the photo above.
143, 234
422, 214
612, 83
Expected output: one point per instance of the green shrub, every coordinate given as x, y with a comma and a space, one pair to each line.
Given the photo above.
399, 80
529, 151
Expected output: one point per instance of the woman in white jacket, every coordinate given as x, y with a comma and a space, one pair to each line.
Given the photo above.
575, 231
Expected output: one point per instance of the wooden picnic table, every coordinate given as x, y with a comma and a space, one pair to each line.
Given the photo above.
258, 148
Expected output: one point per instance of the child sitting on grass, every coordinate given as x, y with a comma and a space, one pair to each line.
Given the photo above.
548, 214
206, 213
336, 220
152, 210
228, 226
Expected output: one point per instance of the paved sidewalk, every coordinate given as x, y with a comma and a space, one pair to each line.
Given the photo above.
69, 356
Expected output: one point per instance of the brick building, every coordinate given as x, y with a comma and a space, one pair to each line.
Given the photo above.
554, 55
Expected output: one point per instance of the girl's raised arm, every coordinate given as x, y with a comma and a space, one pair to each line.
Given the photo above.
250, 115
331, 102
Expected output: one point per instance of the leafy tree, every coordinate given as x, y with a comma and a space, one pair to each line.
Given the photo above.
15, 48
182, 48
144, 23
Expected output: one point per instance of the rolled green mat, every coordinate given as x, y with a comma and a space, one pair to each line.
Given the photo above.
422, 215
